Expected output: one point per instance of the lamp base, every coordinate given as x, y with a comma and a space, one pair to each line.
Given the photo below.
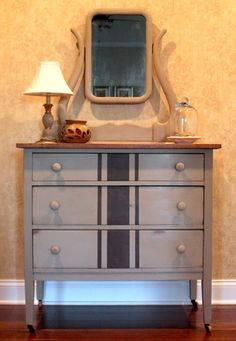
48, 121
46, 140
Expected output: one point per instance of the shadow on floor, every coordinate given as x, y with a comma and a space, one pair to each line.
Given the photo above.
116, 317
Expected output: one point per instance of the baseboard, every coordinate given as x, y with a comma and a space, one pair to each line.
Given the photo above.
109, 292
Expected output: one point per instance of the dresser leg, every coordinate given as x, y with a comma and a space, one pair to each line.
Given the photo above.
40, 292
206, 302
29, 303
193, 292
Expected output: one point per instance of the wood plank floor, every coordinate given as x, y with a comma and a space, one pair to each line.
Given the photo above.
117, 323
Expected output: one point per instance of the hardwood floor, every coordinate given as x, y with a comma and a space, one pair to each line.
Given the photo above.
117, 323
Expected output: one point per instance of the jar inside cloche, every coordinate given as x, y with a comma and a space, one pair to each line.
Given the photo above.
185, 120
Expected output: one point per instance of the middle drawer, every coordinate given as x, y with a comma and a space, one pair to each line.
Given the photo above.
114, 205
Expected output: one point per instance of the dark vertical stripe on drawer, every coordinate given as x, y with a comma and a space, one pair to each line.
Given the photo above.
99, 205
118, 167
137, 248
118, 249
118, 205
99, 167
99, 249
136, 166
136, 205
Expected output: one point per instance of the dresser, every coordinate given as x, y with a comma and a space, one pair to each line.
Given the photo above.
118, 211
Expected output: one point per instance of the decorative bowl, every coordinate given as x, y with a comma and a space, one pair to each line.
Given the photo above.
75, 131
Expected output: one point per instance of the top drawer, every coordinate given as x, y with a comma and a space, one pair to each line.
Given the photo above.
60, 167
171, 167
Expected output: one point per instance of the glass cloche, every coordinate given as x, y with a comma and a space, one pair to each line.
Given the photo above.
185, 120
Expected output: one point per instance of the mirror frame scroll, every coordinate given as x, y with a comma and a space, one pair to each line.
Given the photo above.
88, 58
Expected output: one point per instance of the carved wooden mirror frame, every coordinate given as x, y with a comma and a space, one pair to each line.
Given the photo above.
155, 69
88, 61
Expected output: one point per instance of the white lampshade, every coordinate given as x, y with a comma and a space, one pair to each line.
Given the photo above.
49, 81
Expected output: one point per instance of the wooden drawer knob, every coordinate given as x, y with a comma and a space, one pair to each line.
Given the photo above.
55, 249
179, 166
56, 167
181, 248
54, 205
181, 205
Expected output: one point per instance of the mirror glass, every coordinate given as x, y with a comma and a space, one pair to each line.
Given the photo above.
118, 58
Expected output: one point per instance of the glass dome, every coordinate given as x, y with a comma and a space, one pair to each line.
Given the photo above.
185, 120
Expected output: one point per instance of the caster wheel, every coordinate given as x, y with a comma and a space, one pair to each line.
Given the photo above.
194, 304
208, 328
31, 328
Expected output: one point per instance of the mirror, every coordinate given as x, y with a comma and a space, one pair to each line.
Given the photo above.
118, 57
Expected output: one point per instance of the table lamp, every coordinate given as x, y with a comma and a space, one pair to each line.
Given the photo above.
48, 82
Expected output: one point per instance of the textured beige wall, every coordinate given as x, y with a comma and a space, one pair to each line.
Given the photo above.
201, 61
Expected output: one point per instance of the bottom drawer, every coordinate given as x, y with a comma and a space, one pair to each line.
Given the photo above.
65, 249
170, 249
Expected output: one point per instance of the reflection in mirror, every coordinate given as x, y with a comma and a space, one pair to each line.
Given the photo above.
118, 58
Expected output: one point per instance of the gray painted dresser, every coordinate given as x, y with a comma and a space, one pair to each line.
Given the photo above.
118, 211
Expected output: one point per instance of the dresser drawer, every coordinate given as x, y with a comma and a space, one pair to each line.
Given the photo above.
170, 249
65, 249
171, 167
60, 167
65, 205
170, 205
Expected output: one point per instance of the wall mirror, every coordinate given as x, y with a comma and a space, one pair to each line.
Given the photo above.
118, 56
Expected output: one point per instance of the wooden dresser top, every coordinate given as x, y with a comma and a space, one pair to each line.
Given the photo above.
119, 145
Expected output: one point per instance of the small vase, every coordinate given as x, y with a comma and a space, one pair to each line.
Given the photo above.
75, 131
